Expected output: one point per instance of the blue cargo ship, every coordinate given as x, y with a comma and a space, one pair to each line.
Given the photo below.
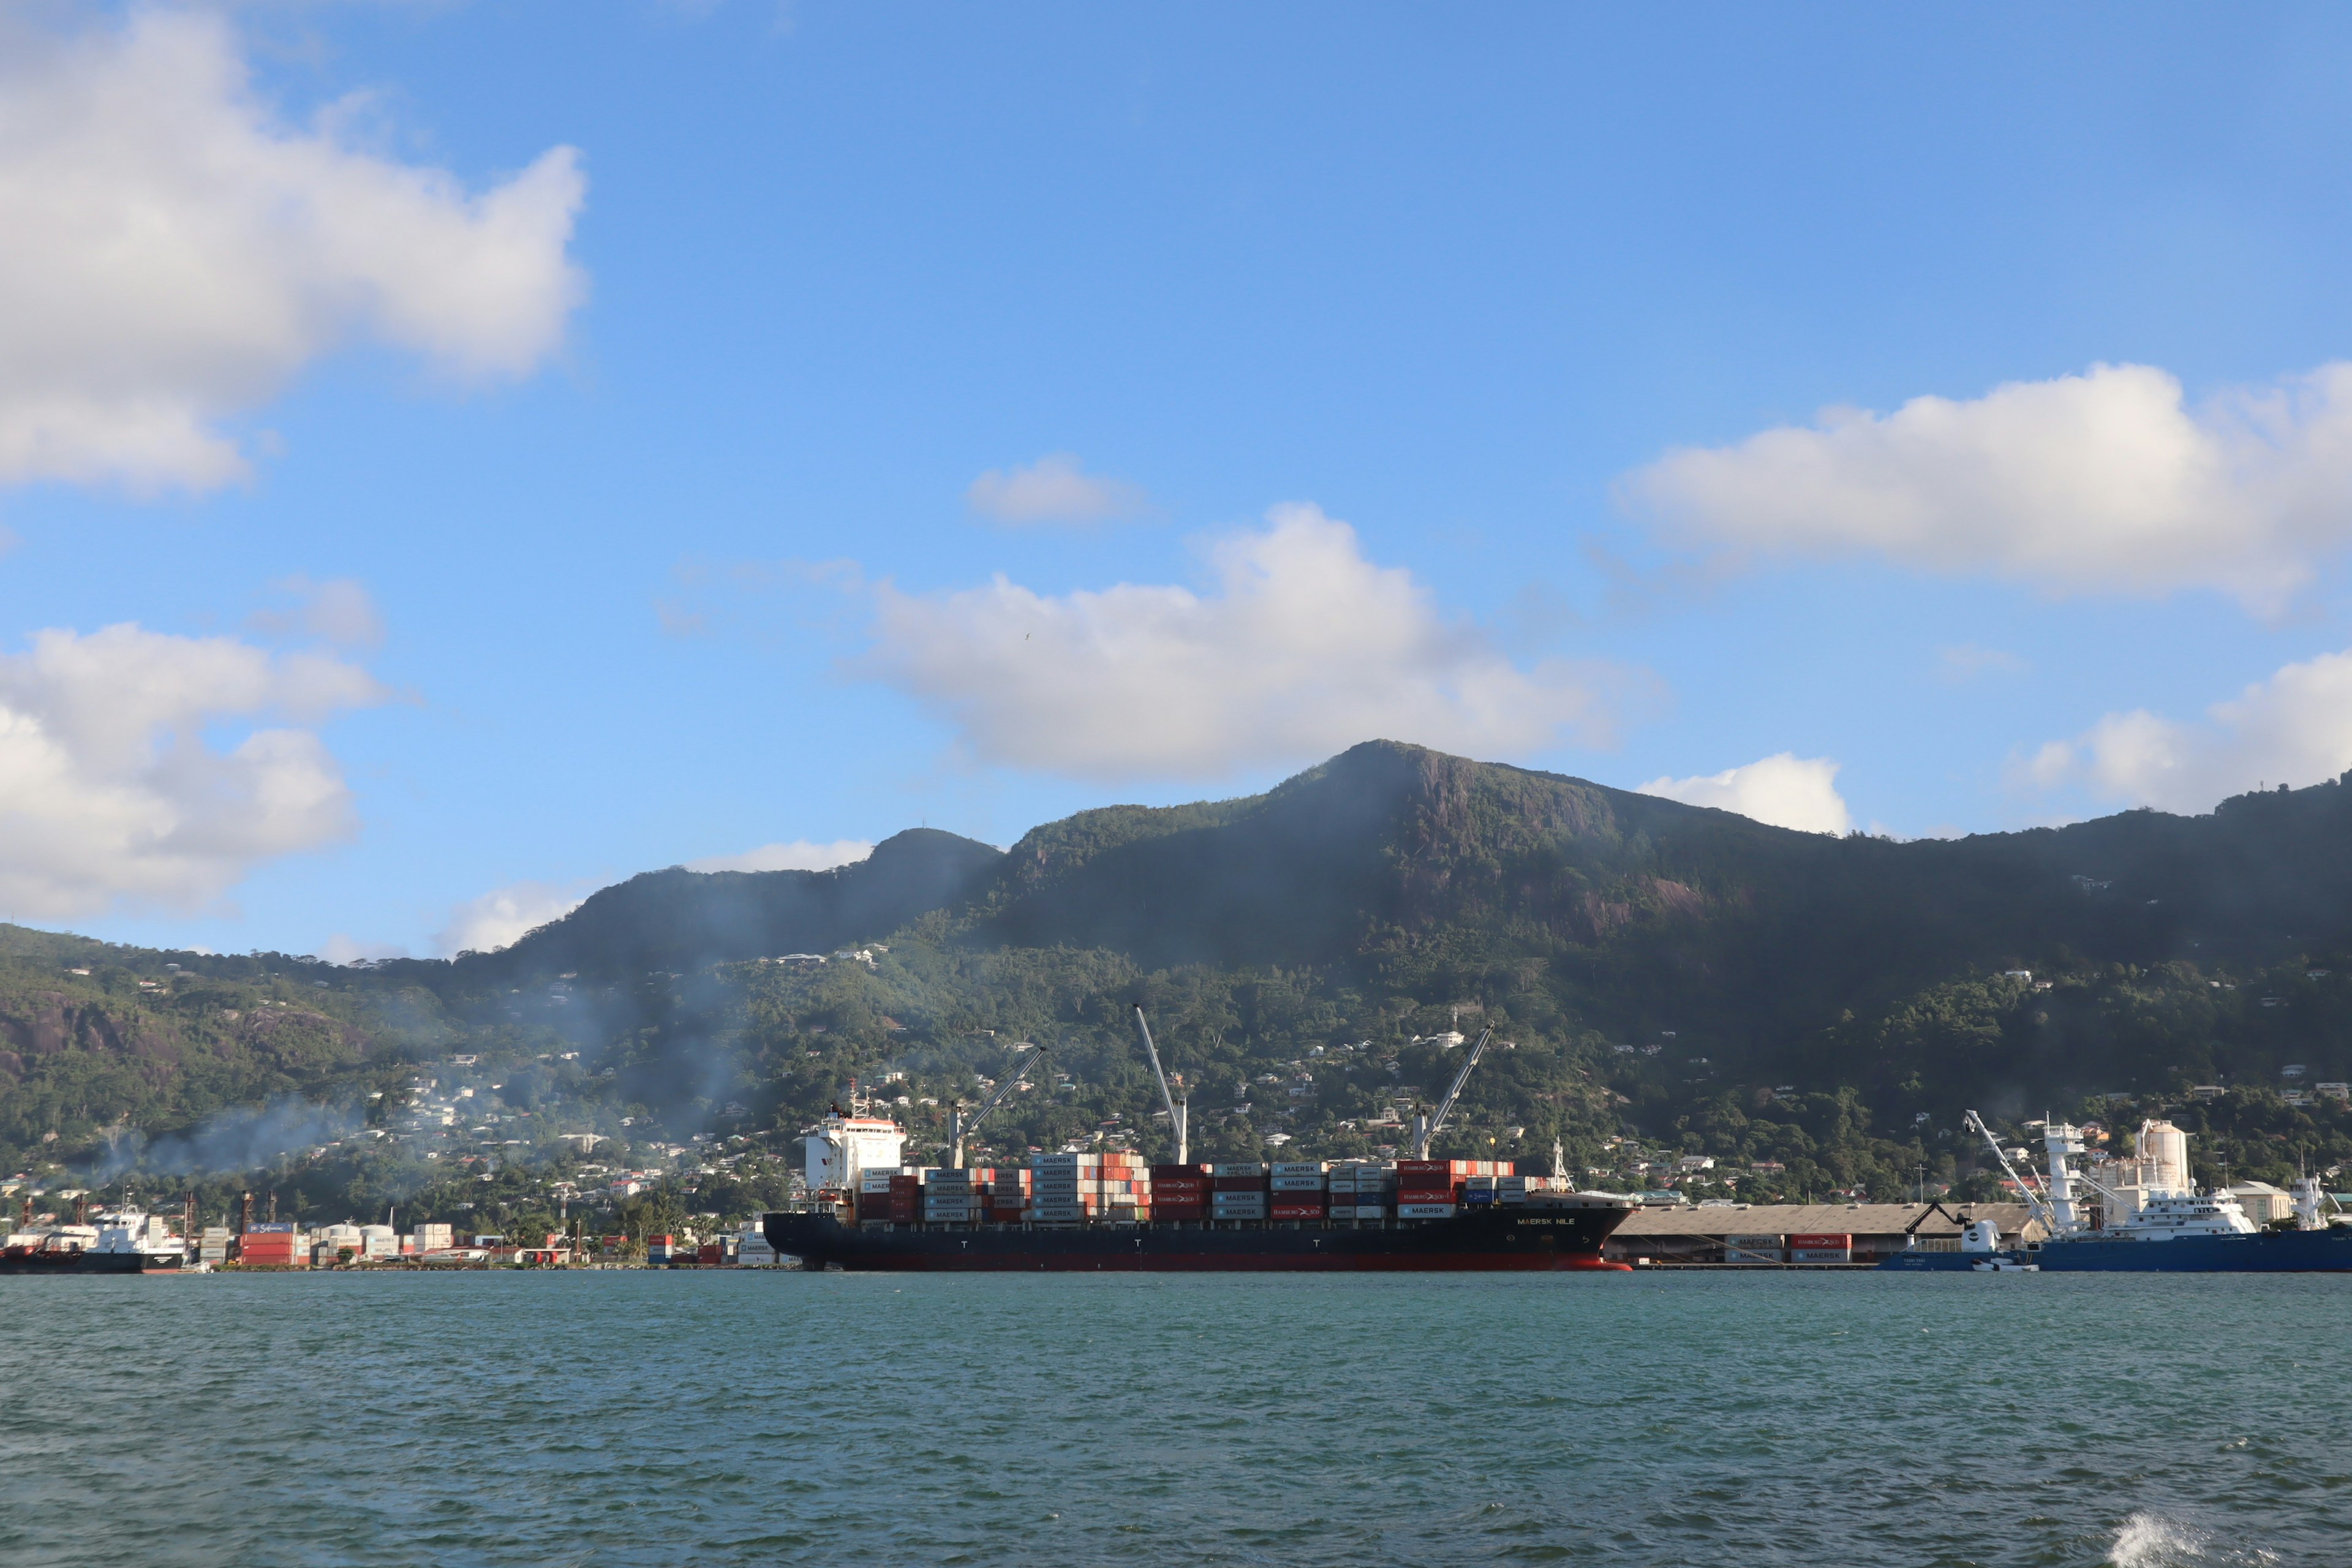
2170, 1229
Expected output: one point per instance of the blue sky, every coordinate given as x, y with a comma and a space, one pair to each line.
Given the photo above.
536, 444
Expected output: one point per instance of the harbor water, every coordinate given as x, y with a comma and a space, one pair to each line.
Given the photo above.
762, 1417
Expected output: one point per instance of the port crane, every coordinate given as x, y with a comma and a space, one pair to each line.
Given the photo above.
961, 1127
1426, 1127
1179, 1110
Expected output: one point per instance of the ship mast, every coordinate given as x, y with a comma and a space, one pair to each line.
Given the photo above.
1179, 1113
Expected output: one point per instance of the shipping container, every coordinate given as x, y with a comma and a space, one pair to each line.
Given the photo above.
1424, 1211
1820, 1254
1239, 1170
1753, 1255
1822, 1242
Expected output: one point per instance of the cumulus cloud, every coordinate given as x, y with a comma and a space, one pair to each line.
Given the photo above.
1303, 648
1962, 662
1784, 790
338, 610
2104, 481
344, 948
176, 251
2296, 728
110, 790
800, 855
1054, 488
502, 917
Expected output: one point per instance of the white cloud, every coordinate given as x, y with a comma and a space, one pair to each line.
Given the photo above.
800, 855
1054, 488
111, 792
2294, 728
502, 917
1784, 790
1304, 649
338, 610
1963, 662
342, 948
171, 252
2104, 481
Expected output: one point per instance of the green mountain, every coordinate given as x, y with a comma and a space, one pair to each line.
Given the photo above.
684, 920
1681, 977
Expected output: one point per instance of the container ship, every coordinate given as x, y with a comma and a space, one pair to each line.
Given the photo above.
127, 1242
1079, 1211
2149, 1219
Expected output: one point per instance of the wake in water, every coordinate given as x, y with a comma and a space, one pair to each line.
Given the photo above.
2151, 1541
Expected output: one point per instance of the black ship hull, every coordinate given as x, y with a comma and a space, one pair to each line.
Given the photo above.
18, 1260
1551, 1237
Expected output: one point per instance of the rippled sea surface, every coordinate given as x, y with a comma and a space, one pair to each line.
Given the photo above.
756, 1417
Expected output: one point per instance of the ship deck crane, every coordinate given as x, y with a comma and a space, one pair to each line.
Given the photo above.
2034, 1199
1179, 1110
959, 1127
1425, 1128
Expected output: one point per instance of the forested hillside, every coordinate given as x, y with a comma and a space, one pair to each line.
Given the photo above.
1668, 980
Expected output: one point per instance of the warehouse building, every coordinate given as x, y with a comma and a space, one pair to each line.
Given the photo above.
1762, 1235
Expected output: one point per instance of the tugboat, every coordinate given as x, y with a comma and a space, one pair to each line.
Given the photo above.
125, 1241
1981, 1249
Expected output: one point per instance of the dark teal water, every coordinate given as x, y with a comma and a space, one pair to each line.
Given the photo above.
715, 1418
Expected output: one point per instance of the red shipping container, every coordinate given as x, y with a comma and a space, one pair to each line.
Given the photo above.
1239, 1184
1186, 1171
1295, 1211
1426, 1196
1822, 1243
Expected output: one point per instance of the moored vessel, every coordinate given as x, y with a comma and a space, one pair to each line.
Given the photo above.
2157, 1223
1075, 1210
125, 1242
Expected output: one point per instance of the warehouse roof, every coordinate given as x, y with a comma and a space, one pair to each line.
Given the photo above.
1815, 1219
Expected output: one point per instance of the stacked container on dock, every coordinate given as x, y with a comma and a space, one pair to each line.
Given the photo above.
1821, 1249
1299, 1190
1237, 1191
278, 1245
